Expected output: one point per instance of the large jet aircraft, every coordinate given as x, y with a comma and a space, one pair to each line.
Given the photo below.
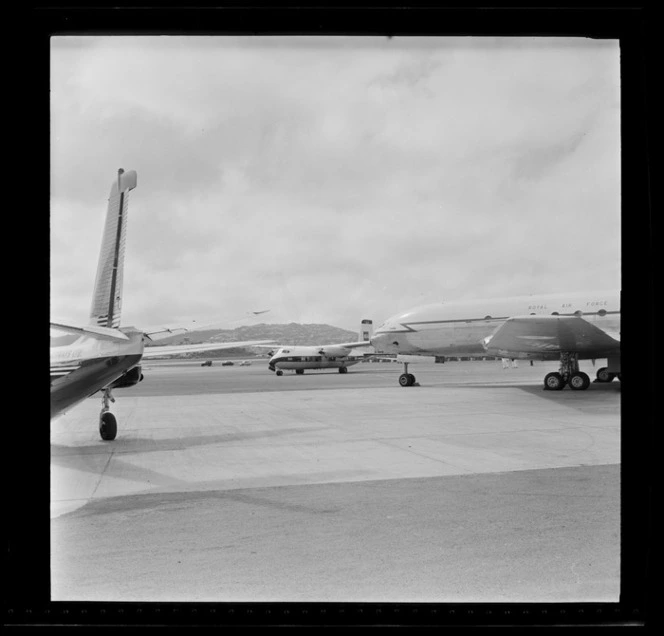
334, 356
566, 327
101, 355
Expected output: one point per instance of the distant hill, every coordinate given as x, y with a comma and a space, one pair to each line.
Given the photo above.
290, 334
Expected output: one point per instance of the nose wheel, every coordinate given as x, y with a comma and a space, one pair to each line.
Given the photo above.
108, 425
406, 379
568, 375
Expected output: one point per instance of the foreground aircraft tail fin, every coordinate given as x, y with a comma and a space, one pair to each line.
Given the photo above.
107, 296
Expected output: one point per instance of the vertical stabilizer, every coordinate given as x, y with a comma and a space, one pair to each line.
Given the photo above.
366, 330
107, 298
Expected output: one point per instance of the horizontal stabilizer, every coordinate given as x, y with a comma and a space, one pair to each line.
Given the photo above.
102, 332
166, 332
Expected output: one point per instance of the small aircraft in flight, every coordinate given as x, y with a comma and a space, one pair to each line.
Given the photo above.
566, 327
333, 356
101, 356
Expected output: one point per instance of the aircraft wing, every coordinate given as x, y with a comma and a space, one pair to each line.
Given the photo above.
345, 345
612, 333
166, 350
102, 332
550, 334
352, 345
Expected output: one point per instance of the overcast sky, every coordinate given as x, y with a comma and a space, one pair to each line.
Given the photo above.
331, 179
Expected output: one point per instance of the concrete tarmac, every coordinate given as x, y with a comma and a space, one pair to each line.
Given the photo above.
232, 484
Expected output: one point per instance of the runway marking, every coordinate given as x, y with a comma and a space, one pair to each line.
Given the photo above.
101, 475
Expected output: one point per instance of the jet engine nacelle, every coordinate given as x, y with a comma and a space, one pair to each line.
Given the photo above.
132, 377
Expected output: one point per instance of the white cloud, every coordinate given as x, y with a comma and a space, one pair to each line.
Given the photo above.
324, 174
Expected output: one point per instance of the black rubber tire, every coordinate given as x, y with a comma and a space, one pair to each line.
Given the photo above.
554, 382
108, 426
604, 375
579, 381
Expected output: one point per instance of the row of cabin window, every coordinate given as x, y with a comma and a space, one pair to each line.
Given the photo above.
304, 359
578, 312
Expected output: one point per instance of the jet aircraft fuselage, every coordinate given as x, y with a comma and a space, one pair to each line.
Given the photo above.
81, 368
465, 328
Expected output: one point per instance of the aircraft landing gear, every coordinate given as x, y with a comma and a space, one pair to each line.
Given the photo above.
343, 369
299, 371
280, 372
108, 425
406, 379
554, 381
569, 374
604, 375
579, 381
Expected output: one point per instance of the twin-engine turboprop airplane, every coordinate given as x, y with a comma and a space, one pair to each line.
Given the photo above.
565, 327
334, 356
101, 356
